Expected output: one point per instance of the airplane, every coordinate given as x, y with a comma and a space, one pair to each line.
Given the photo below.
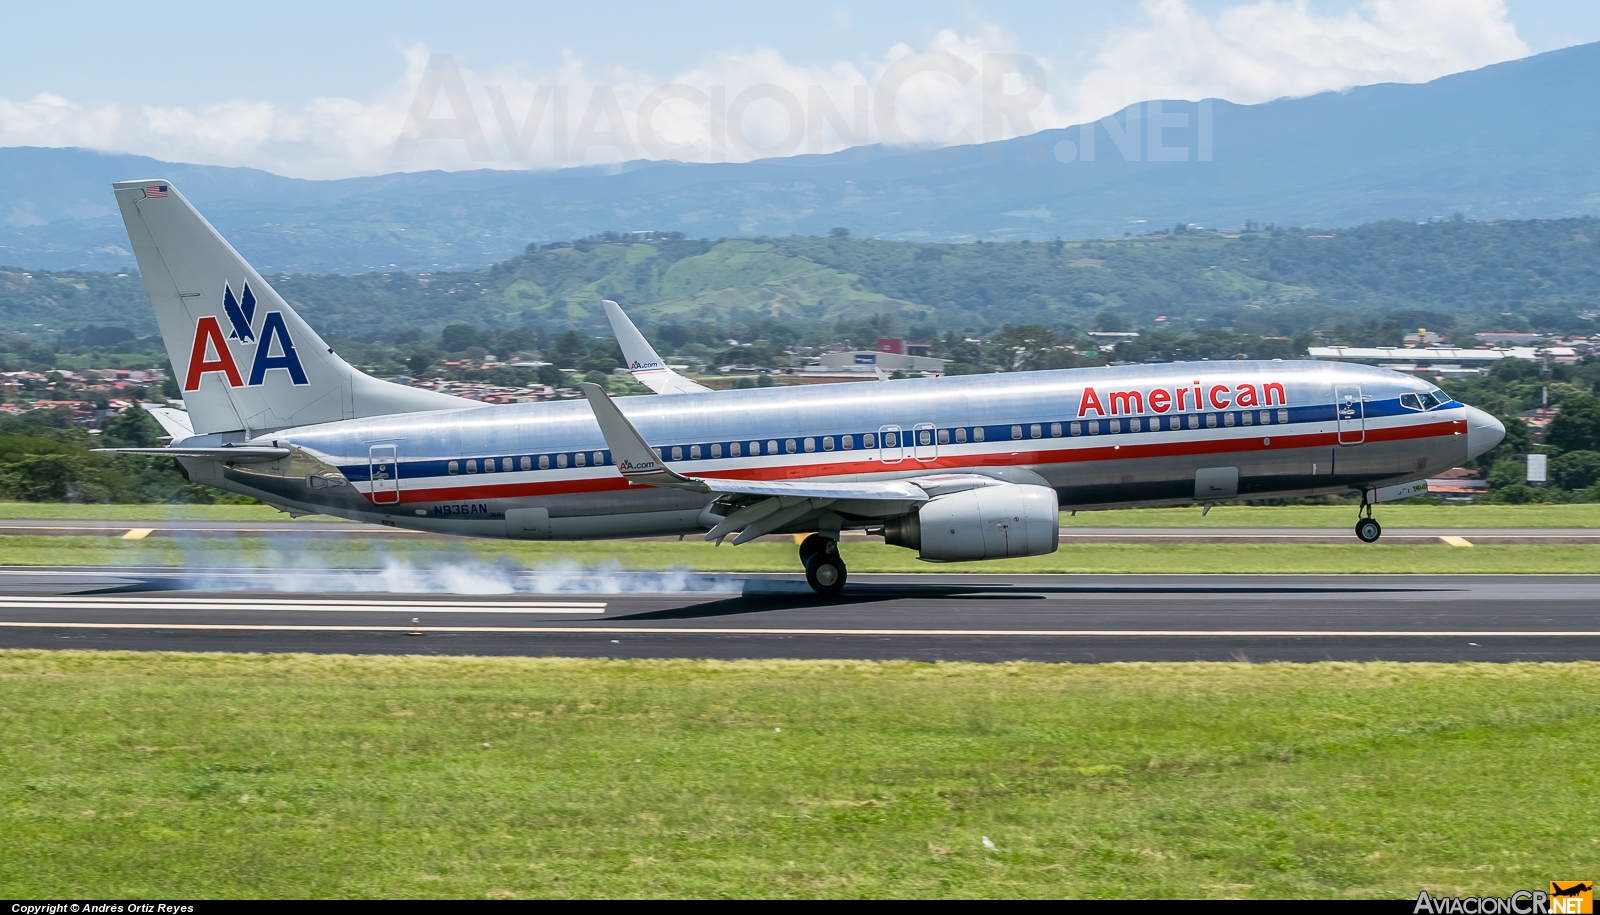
957, 468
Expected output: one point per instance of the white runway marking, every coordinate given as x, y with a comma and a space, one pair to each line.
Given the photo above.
1001, 633
314, 605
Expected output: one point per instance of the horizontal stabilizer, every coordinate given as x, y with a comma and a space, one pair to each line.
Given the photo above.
648, 368
245, 454
174, 422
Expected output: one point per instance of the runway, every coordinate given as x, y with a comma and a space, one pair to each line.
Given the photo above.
990, 618
140, 530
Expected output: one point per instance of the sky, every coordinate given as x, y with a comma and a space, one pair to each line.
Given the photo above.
324, 90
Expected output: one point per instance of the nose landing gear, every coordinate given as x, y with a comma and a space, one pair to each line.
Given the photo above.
825, 571
1367, 528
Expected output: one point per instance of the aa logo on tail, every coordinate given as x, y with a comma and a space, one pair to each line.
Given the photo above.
241, 312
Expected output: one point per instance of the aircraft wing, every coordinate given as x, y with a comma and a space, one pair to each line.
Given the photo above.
648, 368
890, 490
640, 463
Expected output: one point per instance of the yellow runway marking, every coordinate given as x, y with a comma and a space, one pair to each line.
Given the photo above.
138, 533
1457, 541
1002, 633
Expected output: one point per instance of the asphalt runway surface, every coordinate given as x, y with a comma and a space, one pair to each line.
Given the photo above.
990, 618
140, 530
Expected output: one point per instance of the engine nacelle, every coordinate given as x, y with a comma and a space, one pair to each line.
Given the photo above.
991, 522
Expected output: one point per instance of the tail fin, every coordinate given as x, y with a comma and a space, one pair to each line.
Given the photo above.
648, 368
244, 360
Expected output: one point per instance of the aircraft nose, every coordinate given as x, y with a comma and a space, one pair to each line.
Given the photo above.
1483, 432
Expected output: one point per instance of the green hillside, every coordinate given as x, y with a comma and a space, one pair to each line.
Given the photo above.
1458, 274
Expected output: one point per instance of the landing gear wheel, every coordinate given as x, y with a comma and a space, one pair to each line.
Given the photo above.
1368, 530
814, 544
825, 574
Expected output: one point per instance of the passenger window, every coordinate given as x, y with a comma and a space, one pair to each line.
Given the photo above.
1055, 430
827, 443
772, 447
734, 450
1194, 420
925, 437
1016, 432
811, 444
869, 440
1135, 424
944, 436
694, 452
561, 460
1227, 419
472, 467
890, 440
580, 459
1035, 432
1248, 417
977, 433
1116, 425
961, 436
1211, 420
544, 462
1076, 428
788, 445
1411, 401
848, 441
716, 451
455, 467
599, 458
1094, 426
1283, 416
677, 454
526, 462
1266, 417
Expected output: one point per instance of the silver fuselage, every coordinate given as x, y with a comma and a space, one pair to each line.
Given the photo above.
1101, 437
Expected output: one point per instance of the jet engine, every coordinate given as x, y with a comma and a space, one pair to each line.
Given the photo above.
990, 522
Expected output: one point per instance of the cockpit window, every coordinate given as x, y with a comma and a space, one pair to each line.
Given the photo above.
1436, 398
1411, 401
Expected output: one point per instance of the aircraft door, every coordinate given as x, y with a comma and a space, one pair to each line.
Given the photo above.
924, 444
385, 471
891, 445
1352, 414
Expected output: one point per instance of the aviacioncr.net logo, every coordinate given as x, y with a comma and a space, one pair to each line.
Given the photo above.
212, 352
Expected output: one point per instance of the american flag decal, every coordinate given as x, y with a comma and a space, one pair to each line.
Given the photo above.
155, 190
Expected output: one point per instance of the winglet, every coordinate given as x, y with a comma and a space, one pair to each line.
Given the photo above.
648, 368
636, 460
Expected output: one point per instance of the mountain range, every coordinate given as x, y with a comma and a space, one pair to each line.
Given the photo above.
1510, 141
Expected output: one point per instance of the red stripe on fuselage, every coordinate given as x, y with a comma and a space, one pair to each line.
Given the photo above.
1084, 454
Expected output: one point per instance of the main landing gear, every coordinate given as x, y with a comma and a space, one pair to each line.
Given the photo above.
1367, 528
825, 571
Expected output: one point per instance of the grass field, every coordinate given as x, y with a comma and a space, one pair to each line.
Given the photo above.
184, 776
1143, 558
1330, 516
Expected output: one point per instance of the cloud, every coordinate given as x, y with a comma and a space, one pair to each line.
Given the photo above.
962, 87
1256, 52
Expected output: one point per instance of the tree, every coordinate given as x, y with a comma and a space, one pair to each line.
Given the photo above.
1576, 469
458, 337
1577, 426
838, 232
418, 363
